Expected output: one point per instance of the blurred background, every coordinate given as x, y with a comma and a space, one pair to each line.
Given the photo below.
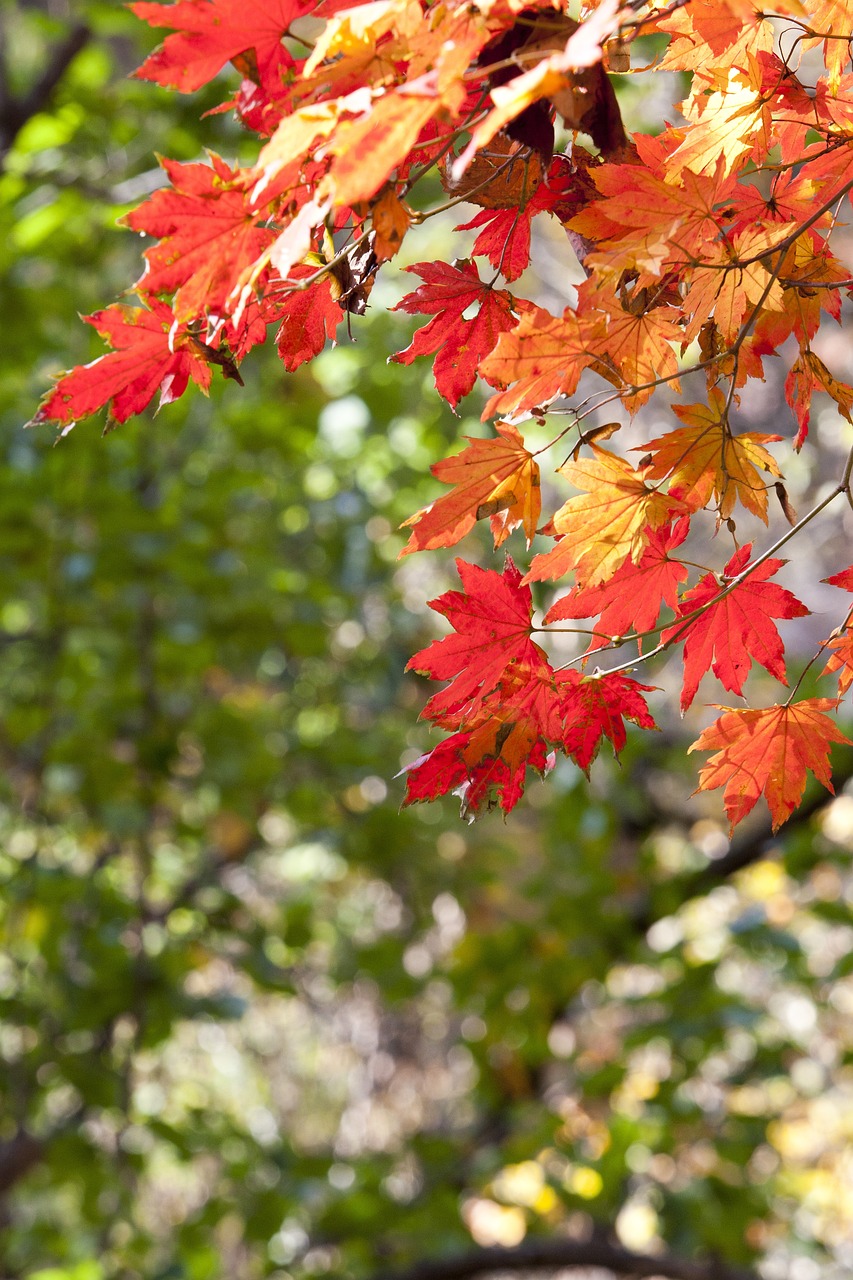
254, 1021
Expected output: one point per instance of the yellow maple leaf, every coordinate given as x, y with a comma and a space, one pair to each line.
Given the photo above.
606, 526
726, 123
704, 458
353, 34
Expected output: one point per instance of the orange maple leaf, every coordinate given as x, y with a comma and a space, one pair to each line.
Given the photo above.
497, 478
640, 348
391, 218
768, 750
727, 123
841, 659
544, 355
704, 458
608, 525
808, 374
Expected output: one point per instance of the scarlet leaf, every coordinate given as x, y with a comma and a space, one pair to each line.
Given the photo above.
497, 478
597, 707
447, 292
770, 751
505, 235
734, 630
456, 765
844, 579
146, 359
209, 235
492, 621
210, 33
308, 318
630, 600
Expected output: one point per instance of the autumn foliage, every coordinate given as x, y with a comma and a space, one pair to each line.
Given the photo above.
704, 248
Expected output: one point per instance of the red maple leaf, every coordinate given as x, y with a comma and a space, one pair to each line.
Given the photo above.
631, 600
147, 358
510, 708
455, 765
505, 235
840, 643
308, 317
461, 345
736, 629
596, 707
208, 232
492, 621
768, 750
842, 579
209, 33
505, 732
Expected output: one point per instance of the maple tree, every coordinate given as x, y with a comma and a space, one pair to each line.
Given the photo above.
704, 249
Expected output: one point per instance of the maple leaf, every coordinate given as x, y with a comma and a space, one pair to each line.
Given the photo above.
391, 218
209, 235
608, 525
460, 345
768, 750
631, 600
840, 647
730, 292
648, 222
456, 765
505, 730
308, 318
711, 25
840, 643
639, 344
843, 579
729, 122
596, 707
147, 358
543, 355
808, 374
505, 235
506, 176
497, 478
705, 458
209, 33
734, 630
492, 621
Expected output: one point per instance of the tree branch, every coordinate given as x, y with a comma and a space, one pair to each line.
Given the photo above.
534, 1254
17, 1157
15, 112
